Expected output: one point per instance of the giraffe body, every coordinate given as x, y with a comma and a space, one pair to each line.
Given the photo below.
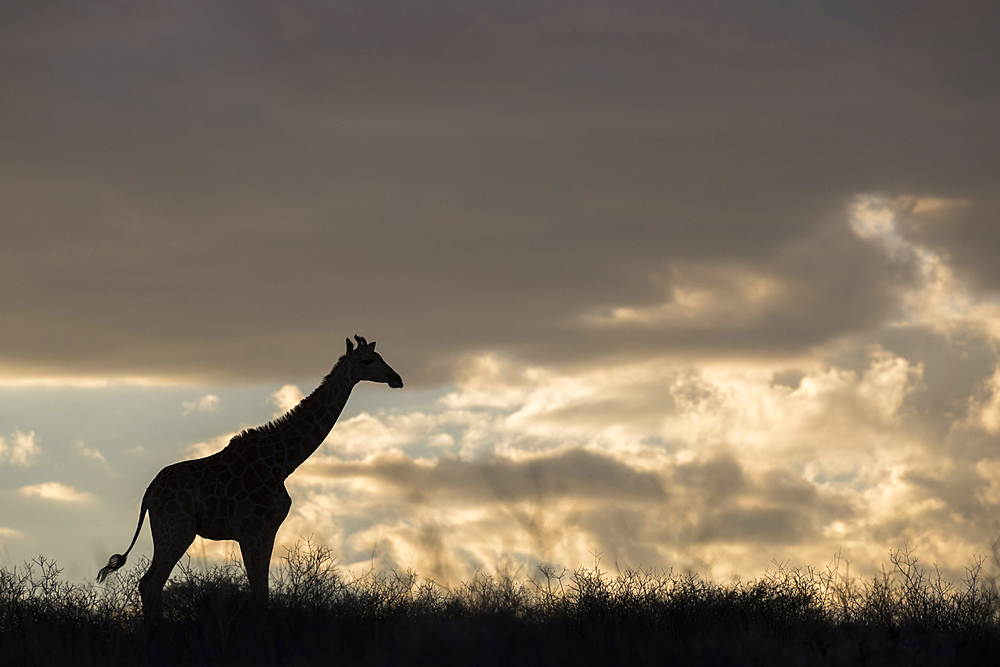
239, 493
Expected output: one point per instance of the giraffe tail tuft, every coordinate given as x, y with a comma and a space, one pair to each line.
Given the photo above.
118, 560
114, 563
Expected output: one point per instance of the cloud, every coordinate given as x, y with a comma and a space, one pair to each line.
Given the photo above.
91, 453
940, 300
467, 190
573, 473
208, 447
704, 296
555, 506
881, 436
859, 445
19, 448
207, 403
55, 491
746, 253
366, 434
286, 398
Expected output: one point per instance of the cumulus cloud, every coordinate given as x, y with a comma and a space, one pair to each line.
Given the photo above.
858, 445
204, 448
19, 448
557, 506
286, 398
651, 462
56, 491
207, 403
90, 453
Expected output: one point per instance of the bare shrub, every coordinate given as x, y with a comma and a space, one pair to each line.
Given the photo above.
906, 615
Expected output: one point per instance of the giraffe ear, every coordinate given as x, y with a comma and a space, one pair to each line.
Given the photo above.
350, 346
373, 345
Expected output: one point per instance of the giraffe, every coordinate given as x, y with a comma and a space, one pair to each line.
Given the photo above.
239, 493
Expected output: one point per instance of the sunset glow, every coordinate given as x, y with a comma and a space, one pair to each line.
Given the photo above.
702, 289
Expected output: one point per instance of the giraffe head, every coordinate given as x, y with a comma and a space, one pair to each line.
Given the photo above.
366, 364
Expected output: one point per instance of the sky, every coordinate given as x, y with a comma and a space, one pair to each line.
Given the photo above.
707, 286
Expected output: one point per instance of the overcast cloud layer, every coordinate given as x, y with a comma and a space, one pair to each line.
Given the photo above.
217, 191
689, 284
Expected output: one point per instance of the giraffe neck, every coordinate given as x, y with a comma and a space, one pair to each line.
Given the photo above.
300, 432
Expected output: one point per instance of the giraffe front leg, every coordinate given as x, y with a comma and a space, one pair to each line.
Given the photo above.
257, 560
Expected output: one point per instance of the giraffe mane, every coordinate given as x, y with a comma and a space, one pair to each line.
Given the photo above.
280, 421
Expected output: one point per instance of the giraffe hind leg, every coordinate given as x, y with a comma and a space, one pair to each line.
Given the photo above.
168, 547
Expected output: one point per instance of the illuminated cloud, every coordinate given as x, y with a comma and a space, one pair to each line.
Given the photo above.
704, 296
940, 301
718, 464
858, 446
19, 448
367, 434
207, 403
650, 462
55, 491
556, 506
286, 398
90, 453
208, 447
748, 253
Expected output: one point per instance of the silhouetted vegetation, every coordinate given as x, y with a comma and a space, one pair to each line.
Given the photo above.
319, 615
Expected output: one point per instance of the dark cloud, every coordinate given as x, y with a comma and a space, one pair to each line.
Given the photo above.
716, 480
761, 525
203, 189
574, 473
722, 503
967, 233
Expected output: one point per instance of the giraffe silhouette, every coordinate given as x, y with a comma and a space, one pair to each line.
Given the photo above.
239, 493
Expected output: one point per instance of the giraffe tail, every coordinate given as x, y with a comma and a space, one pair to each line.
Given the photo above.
116, 561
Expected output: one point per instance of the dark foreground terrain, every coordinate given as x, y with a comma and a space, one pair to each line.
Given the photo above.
318, 616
